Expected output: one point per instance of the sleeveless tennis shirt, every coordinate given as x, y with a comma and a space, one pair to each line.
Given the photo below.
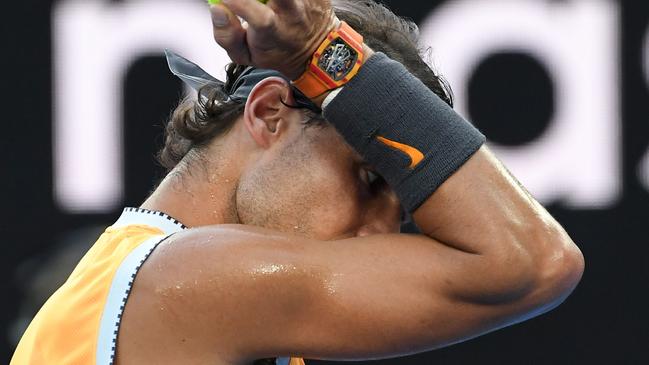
79, 323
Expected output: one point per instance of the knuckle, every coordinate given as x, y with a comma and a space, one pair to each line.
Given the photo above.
223, 38
267, 22
218, 37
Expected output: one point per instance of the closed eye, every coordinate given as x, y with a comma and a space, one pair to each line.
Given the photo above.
372, 177
374, 181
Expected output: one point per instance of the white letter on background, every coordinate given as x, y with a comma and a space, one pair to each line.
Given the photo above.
643, 170
577, 160
94, 44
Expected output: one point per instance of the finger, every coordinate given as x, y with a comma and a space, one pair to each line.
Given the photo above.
230, 34
286, 6
257, 15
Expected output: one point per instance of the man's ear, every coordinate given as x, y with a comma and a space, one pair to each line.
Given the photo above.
265, 114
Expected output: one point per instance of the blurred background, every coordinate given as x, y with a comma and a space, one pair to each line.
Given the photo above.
559, 87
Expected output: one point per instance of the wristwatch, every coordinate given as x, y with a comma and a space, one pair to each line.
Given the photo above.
334, 64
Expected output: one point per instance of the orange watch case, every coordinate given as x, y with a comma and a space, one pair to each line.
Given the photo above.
316, 81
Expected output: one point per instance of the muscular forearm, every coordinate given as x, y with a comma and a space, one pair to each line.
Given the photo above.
481, 209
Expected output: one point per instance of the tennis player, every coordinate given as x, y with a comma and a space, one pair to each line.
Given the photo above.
275, 235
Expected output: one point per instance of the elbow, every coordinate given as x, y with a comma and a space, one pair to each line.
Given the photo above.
555, 267
533, 271
559, 272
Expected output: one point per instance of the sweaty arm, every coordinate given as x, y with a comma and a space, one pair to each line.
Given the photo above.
489, 256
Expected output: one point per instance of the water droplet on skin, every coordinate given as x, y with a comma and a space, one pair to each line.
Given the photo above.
268, 269
330, 284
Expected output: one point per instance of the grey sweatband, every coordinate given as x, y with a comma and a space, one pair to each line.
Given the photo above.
384, 110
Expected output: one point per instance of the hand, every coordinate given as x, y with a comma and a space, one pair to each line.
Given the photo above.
281, 35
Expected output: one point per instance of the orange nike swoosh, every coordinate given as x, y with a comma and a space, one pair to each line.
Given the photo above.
415, 155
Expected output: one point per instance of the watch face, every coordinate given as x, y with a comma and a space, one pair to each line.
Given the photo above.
338, 59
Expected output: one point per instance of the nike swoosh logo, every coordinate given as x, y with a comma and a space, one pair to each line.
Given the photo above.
415, 155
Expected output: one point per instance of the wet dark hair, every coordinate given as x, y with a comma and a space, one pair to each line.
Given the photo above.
195, 123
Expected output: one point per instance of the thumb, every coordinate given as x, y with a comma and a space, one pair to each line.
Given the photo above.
230, 34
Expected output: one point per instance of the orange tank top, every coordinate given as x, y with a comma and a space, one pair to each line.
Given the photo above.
80, 322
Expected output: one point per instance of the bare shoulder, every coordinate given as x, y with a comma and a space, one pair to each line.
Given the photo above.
200, 287
214, 255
